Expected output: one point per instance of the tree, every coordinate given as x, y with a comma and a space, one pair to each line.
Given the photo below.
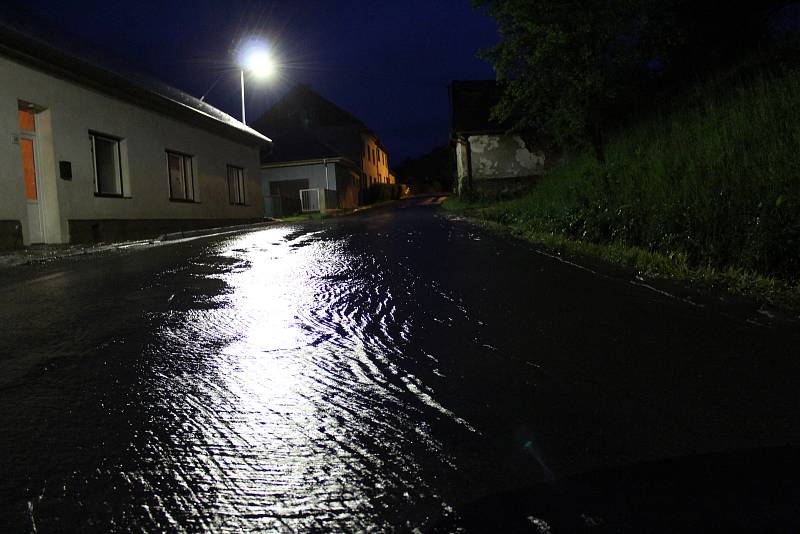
571, 64
574, 67
434, 167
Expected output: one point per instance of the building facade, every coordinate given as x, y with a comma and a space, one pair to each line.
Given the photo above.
489, 159
334, 180
94, 155
312, 133
374, 161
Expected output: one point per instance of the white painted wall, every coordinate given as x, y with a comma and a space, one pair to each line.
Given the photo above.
313, 172
71, 112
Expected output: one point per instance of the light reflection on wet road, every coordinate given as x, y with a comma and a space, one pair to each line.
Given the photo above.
305, 415
346, 375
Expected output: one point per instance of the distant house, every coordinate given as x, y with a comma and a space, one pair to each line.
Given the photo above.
313, 134
488, 159
96, 151
301, 162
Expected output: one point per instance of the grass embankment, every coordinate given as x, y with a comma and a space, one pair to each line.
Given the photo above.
707, 191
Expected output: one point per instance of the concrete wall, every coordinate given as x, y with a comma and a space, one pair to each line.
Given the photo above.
503, 156
347, 186
70, 112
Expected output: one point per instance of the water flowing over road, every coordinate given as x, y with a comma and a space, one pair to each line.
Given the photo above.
370, 372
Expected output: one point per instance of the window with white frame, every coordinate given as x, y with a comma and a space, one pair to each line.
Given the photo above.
236, 185
181, 177
107, 165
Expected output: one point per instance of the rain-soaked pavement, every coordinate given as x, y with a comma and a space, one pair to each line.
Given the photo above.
380, 371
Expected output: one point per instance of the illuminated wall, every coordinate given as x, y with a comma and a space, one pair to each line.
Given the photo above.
70, 112
374, 161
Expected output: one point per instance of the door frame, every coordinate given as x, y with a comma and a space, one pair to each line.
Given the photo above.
39, 190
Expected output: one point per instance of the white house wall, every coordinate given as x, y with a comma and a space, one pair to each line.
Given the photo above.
501, 156
313, 172
71, 112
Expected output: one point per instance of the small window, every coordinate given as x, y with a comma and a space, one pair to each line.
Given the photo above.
107, 165
236, 186
181, 177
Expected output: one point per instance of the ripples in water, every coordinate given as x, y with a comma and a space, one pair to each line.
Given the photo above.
286, 403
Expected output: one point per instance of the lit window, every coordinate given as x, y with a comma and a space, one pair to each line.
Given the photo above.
107, 165
236, 185
181, 177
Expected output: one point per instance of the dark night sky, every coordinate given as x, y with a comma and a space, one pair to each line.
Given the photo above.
388, 62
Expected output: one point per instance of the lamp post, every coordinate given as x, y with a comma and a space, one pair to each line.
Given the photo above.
244, 120
254, 57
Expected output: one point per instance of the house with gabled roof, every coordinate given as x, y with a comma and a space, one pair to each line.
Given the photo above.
97, 150
301, 165
319, 147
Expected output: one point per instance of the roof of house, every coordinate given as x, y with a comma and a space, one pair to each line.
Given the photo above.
302, 108
298, 144
471, 102
39, 44
315, 108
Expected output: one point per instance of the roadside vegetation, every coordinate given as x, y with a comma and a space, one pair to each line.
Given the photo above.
678, 125
706, 189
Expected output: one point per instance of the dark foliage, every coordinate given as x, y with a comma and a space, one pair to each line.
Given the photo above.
576, 69
435, 167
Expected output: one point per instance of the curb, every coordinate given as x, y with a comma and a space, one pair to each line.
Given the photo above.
173, 236
26, 258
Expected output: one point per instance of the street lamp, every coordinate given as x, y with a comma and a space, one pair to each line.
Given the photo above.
255, 57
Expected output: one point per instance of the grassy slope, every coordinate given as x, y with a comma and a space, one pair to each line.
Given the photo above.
709, 191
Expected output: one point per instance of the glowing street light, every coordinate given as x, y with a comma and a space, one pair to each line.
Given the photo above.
260, 63
254, 56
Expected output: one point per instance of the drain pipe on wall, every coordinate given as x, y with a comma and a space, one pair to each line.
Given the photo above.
325, 193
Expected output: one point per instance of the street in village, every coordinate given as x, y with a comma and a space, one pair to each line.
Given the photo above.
375, 371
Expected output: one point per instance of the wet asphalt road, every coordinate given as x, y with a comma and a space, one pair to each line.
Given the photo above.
371, 372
